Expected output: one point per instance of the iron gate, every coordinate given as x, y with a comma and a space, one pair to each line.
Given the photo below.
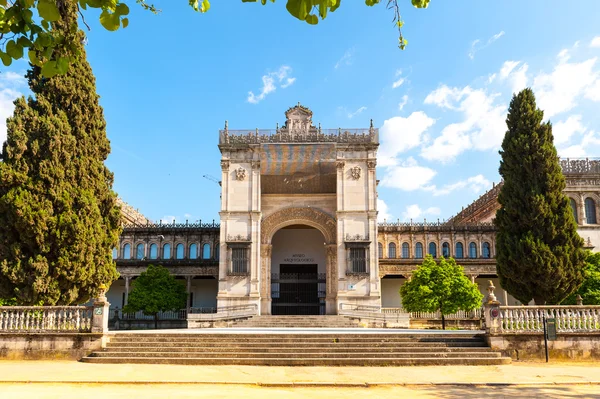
298, 290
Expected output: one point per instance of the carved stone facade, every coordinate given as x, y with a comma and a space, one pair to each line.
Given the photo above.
298, 175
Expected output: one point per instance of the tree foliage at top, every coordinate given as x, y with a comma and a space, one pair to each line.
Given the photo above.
26, 25
590, 289
60, 220
440, 287
156, 290
539, 253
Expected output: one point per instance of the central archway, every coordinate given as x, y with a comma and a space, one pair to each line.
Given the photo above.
309, 218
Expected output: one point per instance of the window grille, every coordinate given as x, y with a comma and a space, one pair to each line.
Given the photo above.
446, 250
590, 211
405, 253
459, 250
358, 260
239, 260
419, 251
392, 251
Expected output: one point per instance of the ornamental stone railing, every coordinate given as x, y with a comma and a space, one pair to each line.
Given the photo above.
580, 166
267, 136
444, 226
165, 226
530, 319
460, 315
35, 319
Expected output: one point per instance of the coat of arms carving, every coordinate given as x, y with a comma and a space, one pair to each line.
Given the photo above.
240, 173
355, 172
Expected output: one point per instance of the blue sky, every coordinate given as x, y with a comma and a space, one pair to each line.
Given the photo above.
168, 83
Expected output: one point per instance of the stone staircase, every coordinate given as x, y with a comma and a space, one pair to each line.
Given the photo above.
300, 348
329, 321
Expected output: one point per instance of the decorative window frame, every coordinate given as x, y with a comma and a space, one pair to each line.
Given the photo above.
238, 242
357, 242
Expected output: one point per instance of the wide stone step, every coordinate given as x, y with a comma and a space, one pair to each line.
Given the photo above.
291, 338
269, 349
282, 361
298, 354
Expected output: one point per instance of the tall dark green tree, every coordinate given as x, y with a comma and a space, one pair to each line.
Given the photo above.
59, 218
540, 256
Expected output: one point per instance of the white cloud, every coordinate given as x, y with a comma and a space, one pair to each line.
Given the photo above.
595, 42
397, 83
169, 219
415, 212
357, 112
11, 87
516, 77
564, 130
382, 211
407, 176
483, 126
563, 56
403, 102
346, 59
475, 184
558, 91
399, 134
589, 146
477, 46
270, 81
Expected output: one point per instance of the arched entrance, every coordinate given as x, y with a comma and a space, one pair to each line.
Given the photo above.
300, 245
298, 271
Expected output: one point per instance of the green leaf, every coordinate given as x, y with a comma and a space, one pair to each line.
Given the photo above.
33, 58
49, 69
312, 19
125, 22
14, 49
110, 21
6, 59
205, 6
48, 10
121, 9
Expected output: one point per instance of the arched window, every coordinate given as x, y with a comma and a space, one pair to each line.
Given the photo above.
486, 251
432, 249
179, 251
115, 253
206, 251
153, 251
127, 251
472, 250
590, 211
392, 250
217, 252
419, 250
446, 250
166, 251
193, 251
459, 250
574, 209
139, 251
405, 253
380, 250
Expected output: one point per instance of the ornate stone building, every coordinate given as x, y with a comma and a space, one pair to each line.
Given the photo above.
298, 232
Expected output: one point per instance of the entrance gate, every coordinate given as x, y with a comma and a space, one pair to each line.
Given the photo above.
298, 290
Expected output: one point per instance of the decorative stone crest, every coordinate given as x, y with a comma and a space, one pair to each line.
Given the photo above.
371, 164
355, 172
240, 174
340, 164
225, 165
255, 164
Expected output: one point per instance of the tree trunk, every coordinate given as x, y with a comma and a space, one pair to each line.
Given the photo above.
443, 322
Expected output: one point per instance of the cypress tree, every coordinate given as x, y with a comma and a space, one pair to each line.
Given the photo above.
59, 218
539, 253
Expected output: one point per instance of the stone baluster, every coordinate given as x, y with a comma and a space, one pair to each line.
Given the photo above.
492, 311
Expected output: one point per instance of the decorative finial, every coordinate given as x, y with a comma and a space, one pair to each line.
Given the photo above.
491, 297
298, 103
579, 300
277, 127
226, 125
371, 122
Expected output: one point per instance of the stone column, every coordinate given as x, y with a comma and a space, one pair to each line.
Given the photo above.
331, 282
127, 279
189, 291
265, 278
